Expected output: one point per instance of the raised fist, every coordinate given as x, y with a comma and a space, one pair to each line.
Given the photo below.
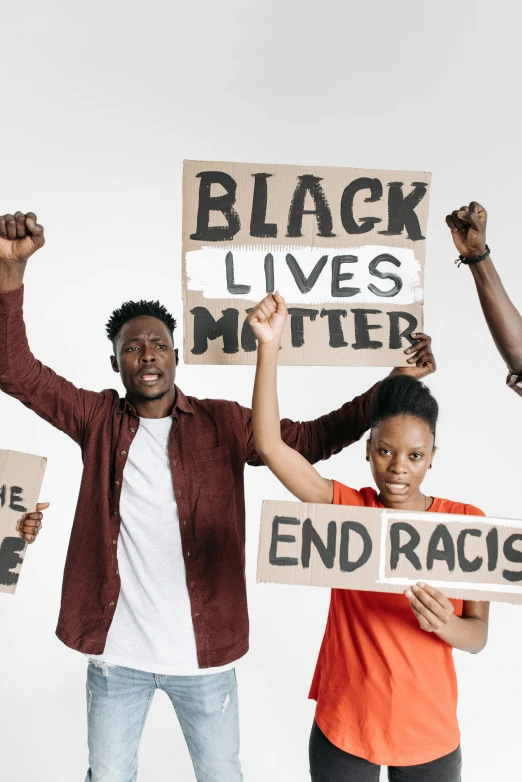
468, 229
268, 318
20, 237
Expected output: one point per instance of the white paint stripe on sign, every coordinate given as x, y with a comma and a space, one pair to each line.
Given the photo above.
207, 273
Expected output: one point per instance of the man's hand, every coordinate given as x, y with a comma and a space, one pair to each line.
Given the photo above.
468, 229
268, 319
431, 607
20, 237
31, 523
422, 361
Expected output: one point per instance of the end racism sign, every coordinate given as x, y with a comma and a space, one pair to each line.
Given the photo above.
469, 557
345, 247
21, 476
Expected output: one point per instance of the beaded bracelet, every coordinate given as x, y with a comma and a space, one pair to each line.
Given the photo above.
476, 259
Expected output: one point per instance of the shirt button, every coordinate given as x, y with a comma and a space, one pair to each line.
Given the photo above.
124, 453
114, 541
131, 430
115, 513
117, 572
192, 584
111, 604
116, 483
188, 553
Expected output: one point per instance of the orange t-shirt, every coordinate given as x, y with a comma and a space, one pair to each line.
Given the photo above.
386, 690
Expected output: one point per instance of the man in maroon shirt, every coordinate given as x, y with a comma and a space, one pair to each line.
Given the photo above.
154, 582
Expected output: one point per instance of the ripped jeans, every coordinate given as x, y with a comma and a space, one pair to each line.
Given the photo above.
118, 701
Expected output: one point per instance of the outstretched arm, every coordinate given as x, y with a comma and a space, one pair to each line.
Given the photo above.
292, 469
329, 434
21, 374
468, 229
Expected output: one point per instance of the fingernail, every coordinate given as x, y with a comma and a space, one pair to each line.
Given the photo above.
421, 584
408, 593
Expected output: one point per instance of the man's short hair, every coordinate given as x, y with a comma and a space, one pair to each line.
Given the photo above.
133, 309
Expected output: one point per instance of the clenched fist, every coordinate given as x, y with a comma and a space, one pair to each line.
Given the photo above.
468, 229
268, 318
20, 237
30, 524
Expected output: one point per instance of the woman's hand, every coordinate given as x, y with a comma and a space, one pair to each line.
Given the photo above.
30, 524
431, 607
268, 319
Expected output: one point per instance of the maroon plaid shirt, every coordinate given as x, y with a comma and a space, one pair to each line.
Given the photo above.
210, 442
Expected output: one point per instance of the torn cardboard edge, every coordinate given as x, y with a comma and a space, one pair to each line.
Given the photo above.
382, 550
21, 476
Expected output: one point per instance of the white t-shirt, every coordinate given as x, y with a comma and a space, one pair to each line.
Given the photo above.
152, 626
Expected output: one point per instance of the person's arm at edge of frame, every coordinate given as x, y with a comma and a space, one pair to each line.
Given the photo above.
468, 230
22, 376
292, 469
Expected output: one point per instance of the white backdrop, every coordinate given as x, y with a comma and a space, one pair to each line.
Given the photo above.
100, 103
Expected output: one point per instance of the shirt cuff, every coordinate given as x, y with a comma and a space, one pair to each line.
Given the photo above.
10, 301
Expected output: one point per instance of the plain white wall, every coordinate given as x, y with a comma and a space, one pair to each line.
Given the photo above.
100, 103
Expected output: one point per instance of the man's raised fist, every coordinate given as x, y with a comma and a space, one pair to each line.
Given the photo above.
20, 236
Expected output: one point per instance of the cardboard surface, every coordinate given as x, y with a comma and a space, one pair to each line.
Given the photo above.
468, 557
345, 246
21, 476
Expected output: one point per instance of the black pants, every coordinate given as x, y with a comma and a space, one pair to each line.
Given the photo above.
328, 763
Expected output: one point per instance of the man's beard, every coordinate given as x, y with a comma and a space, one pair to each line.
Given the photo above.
144, 398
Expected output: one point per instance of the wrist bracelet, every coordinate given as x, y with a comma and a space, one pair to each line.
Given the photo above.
476, 259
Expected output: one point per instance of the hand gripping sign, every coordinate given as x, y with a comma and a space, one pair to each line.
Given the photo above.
381, 550
21, 476
345, 247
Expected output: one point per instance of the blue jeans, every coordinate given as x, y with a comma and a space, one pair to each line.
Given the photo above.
118, 701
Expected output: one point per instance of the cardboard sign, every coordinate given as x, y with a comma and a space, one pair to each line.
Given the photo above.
345, 247
468, 557
21, 476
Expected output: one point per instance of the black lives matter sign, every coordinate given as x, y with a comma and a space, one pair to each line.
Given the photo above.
469, 557
346, 248
21, 476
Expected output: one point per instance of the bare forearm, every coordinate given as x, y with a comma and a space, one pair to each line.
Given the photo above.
289, 466
503, 319
469, 634
265, 407
11, 275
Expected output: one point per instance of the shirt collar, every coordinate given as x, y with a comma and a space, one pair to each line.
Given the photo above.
182, 403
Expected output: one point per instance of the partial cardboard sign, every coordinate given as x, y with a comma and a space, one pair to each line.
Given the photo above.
369, 549
345, 246
21, 476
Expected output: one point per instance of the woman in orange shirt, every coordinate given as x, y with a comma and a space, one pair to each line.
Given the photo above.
385, 681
